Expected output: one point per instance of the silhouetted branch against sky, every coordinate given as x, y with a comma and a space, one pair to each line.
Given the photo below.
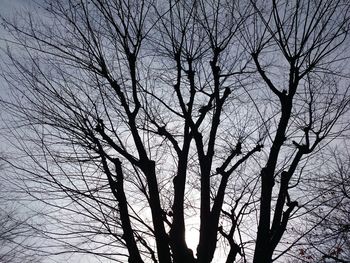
176, 131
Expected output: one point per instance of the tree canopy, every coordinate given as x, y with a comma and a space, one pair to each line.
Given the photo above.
138, 121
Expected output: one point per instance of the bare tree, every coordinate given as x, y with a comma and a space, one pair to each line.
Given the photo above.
142, 116
16, 234
15, 238
329, 239
303, 37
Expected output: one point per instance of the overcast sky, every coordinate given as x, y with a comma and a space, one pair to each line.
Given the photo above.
10, 9
8, 6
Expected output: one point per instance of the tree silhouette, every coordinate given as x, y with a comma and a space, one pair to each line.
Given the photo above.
142, 116
16, 234
329, 241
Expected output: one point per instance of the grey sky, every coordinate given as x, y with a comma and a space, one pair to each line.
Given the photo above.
10, 9
8, 6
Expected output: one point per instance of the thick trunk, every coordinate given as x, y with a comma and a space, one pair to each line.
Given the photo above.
263, 253
204, 246
117, 188
262, 246
162, 241
181, 253
231, 257
124, 216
